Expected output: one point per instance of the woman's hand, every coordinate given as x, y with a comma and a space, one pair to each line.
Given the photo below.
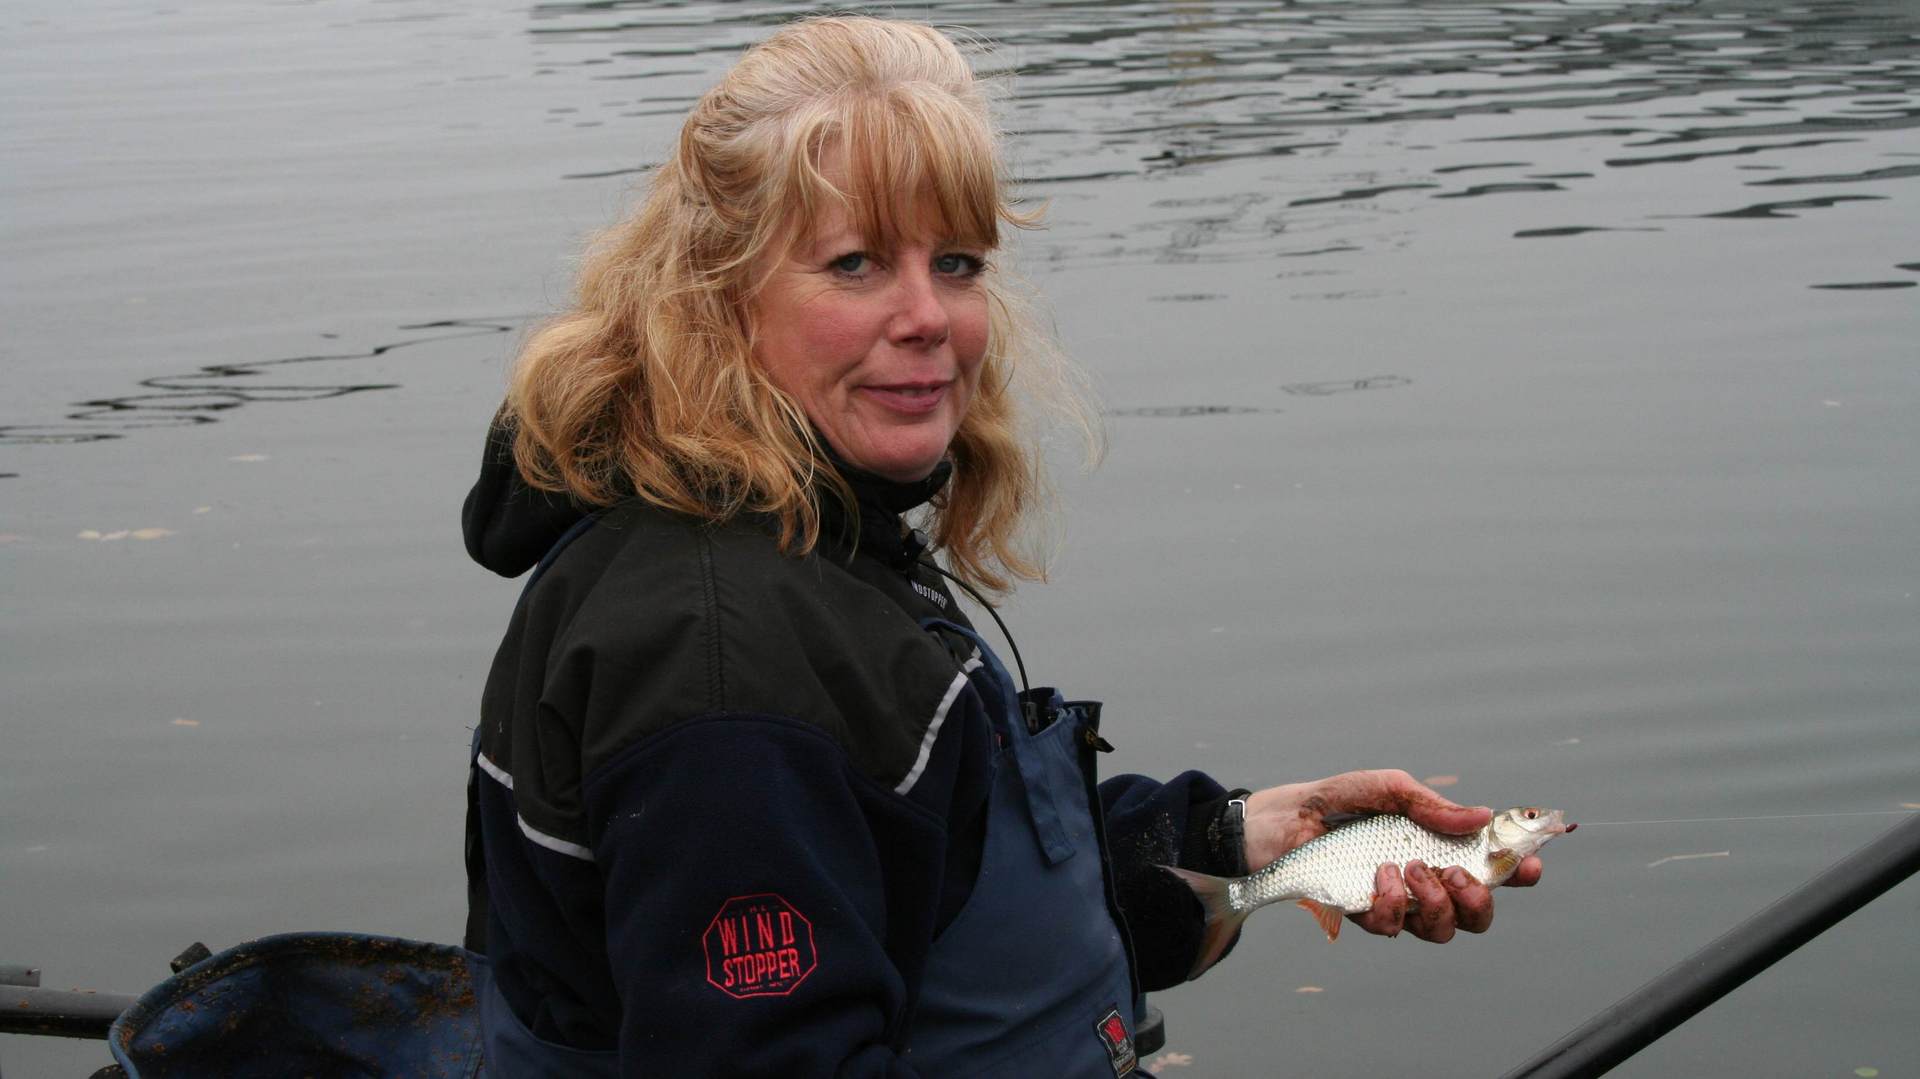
1430, 904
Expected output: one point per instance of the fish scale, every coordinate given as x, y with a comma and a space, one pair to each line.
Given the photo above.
1337, 868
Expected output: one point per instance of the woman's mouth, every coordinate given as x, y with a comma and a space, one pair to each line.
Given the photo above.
907, 398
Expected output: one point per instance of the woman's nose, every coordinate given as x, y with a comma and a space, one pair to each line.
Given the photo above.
920, 319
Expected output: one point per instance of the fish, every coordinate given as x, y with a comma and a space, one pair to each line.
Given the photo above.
1331, 875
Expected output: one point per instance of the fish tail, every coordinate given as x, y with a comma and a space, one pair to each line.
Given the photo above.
1223, 922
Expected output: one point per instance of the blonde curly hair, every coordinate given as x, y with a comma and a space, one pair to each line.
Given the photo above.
647, 387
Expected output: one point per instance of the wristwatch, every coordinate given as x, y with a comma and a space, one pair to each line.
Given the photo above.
1233, 828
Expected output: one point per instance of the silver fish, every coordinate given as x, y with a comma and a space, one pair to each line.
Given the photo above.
1331, 875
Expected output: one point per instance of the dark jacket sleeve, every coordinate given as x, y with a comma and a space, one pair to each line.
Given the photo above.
1151, 824
751, 921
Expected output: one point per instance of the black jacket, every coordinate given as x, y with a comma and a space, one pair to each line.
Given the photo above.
681, 715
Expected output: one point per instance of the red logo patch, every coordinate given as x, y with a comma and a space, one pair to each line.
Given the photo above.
758, 946
1112, 1029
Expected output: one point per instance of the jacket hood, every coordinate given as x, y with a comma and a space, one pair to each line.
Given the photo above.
510, 526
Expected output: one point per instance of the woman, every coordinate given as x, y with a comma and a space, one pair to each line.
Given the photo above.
750, 796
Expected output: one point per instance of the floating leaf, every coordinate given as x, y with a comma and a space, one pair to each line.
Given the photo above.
186, 723
249, 457
1910, 805
1168, 1060
125, 533
203, 509
1866, 1073
1309, 989
1441, 781
1690, 857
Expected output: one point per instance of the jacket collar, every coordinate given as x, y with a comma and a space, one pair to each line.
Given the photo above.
509, 526
878, 530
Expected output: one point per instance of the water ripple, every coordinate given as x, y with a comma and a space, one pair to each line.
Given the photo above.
1892, 172
206, 394
1107, 92
1780, 209
1287, 132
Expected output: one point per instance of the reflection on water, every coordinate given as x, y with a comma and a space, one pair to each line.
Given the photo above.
205, 394
1376, 105
1297, 389
1113, 90
1323, 389
1184, 412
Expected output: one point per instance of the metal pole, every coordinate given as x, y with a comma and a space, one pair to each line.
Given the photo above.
1643, 1016
59, 1013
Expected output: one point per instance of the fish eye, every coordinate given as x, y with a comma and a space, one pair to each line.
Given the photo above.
1532, 814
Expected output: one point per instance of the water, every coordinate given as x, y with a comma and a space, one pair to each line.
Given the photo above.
1522, 392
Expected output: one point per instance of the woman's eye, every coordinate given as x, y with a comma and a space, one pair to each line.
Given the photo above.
852, 262
955, 264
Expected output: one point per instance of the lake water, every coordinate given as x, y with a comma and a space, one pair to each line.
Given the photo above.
1527, 393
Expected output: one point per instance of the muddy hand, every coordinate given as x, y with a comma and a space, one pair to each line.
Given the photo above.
1432, 905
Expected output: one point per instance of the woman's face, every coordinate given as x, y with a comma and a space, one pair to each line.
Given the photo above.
881, 347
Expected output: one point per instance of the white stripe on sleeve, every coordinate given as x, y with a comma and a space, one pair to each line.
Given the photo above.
933, 727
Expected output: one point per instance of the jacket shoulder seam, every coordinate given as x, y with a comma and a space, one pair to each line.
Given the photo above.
709, 596
691, 726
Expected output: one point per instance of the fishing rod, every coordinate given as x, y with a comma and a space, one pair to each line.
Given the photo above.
1684, 989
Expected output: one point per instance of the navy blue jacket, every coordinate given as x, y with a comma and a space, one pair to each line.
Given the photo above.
688, 736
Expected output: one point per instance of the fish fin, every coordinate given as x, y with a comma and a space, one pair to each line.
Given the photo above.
1503, 862
1329, 918
1223, 922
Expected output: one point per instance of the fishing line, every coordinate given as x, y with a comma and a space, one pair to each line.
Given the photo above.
982, 601
1731, 820
1022, 668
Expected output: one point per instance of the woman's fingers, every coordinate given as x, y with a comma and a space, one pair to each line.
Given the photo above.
1283, 817
1527, 873
1431, 904
1391, 790
1389, 910
1472, 900
1432, 917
